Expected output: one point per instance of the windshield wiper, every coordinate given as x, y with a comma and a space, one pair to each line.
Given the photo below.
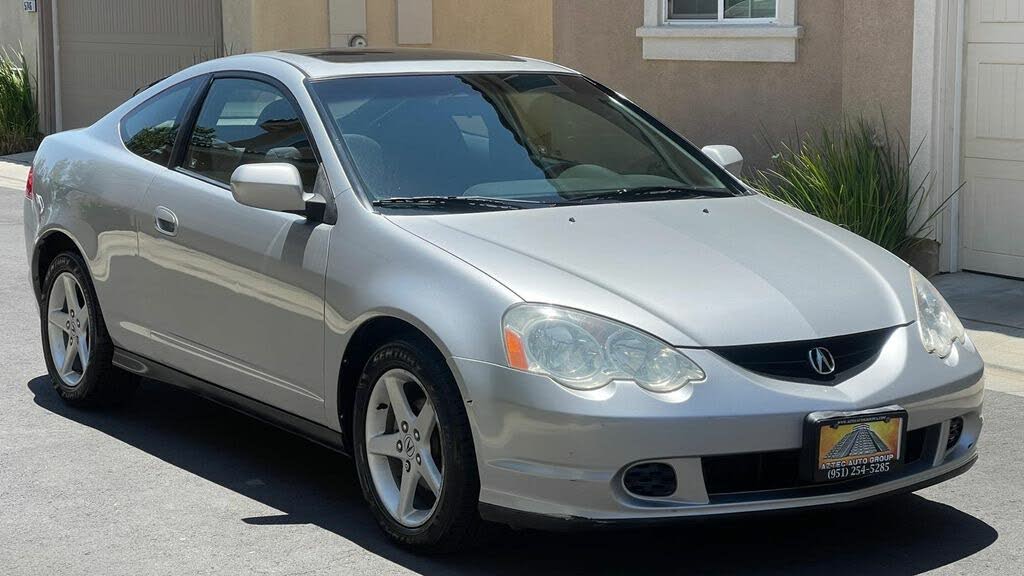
655, 192
479, 202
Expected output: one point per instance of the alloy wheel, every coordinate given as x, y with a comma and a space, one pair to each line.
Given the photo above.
403, 448
68, 317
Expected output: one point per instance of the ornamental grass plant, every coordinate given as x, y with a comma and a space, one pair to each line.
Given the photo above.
19, 119
855, 175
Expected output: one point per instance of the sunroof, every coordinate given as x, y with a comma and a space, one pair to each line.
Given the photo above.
357, 55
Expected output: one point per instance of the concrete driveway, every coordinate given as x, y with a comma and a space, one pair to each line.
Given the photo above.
992, 310
172, 484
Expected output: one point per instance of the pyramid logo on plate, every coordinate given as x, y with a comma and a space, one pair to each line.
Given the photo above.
861, 441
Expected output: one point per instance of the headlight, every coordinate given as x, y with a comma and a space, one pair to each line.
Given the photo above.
586, 352
936, 321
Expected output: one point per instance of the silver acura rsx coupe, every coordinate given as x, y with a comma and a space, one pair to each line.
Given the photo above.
508, 292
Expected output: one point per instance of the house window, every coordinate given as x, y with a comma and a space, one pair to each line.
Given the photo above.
720, 30
721, 10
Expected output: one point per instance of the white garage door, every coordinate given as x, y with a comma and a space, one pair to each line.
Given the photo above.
109, 48
993, 202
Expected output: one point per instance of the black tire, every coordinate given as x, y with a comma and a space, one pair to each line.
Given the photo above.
101, 383
455, 523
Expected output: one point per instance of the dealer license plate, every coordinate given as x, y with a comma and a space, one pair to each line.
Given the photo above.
850, 445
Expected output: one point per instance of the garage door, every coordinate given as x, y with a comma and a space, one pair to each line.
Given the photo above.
109, 48
993, 204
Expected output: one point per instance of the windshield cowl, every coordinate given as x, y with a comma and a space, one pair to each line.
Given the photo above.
642, 193
481, 204
446, 202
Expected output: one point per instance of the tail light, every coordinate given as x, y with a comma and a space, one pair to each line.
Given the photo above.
28, 186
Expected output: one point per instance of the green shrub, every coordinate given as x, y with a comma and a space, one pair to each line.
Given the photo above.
855, 176
19, 119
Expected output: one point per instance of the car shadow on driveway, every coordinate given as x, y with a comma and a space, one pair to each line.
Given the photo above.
312, 485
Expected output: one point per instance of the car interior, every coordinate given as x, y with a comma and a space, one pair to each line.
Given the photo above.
228, 135
466, 141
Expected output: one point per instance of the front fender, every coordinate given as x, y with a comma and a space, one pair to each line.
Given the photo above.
377, 269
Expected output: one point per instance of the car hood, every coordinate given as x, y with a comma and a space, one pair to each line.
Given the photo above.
699, 272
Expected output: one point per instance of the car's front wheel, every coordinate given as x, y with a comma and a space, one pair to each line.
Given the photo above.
76, 346
414, 449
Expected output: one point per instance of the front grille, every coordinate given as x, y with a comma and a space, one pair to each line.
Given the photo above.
650, 480
763, 471
790, 360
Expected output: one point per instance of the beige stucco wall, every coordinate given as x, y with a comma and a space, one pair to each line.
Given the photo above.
254, 25
20, 29
292, 24
236, 16
878, 49
523, 27
381, 27
858, 65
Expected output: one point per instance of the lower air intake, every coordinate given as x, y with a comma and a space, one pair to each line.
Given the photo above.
956, 428
650, 480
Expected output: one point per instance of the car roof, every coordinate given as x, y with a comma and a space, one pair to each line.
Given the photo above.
333, 62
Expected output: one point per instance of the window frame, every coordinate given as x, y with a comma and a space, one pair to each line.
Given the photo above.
720, 20
355, 179
185, 114
731, 181
188, 126
720, 40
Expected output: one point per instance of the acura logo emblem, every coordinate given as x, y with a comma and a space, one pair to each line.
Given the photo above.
822, 361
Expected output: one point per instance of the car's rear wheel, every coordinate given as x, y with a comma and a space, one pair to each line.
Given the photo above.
414, 450
76, 346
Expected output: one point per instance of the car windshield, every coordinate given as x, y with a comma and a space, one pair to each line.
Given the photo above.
506, 141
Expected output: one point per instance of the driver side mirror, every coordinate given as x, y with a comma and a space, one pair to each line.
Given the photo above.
273, 186
725, 156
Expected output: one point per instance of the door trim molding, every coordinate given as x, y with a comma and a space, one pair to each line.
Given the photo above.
956, 166
58, 113
936, 112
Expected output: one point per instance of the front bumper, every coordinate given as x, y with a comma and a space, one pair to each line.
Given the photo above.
546, 450
535, 521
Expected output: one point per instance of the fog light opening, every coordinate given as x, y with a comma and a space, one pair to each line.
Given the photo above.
650, 480
956, 428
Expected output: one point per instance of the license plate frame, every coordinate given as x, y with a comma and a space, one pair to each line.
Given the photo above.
835, 444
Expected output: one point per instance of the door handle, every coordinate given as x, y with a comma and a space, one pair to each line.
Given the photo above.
165, 221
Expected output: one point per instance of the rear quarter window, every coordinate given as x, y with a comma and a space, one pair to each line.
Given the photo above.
149, 130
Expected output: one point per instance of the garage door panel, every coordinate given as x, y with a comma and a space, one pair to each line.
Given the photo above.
994, 118
87, 104
140, 40
995, 20
993, 263
997, 11
992, 219
166, 22
105, 66
994, 206
110, 48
